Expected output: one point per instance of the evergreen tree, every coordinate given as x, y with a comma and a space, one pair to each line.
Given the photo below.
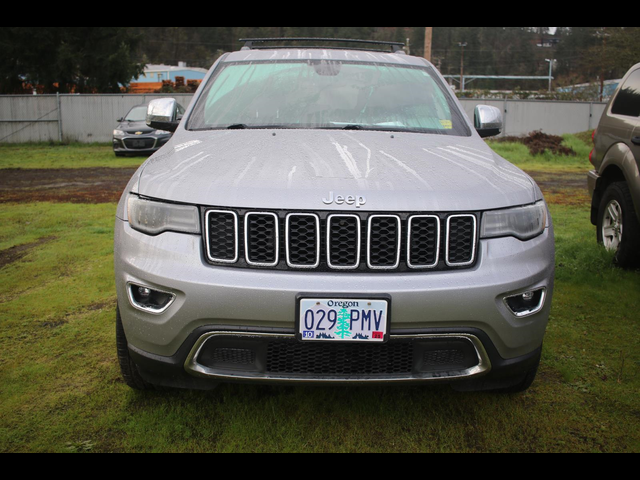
63, 59
343, 328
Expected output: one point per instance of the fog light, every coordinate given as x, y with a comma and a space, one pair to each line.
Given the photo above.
149, 300
528, 303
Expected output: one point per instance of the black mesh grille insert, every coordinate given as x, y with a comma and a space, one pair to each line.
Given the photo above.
293, 358
423, 242
344, 239
461, 239
444, 358
303, 240
384, 242
234, 356
262, 238
139, 143
222, 236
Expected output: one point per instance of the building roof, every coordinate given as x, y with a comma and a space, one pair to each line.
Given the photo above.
172, 68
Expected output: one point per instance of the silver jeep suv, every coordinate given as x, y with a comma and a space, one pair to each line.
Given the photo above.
615, 182
330, 216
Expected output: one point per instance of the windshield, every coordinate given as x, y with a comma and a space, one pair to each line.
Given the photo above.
137, 114
327, 95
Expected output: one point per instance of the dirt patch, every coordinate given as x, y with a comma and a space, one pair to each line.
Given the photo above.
101, 306
539, 143
563, 188
86, 185
14, 254
53, 325
96, 307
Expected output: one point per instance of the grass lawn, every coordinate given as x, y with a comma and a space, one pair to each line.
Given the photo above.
60, 388
519, 155
42, 155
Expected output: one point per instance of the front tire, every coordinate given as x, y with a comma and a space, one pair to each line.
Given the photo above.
128, 368
618, 225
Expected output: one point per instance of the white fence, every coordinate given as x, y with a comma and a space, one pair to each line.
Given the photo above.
92, 118
67, 118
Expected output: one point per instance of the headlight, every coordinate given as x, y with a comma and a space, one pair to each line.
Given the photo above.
523, 223
118, 133
160, 133
154, 218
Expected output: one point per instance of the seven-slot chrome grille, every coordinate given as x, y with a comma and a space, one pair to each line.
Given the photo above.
348, 242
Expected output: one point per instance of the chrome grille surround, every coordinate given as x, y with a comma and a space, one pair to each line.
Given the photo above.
207, 224
363, 241
472, 260
276, 251
193, 365
330, 238
398, 240
318, 242
410, 238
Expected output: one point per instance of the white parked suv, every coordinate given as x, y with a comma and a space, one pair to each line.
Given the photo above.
330, 216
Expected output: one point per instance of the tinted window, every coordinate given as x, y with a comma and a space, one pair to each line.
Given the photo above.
327, 95
628, 100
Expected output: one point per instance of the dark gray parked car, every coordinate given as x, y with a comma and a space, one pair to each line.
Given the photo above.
134, 137
330, 216
615, 182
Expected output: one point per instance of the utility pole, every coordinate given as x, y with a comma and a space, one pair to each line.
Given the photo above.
551, 62
428, 42
462, 45
604, 54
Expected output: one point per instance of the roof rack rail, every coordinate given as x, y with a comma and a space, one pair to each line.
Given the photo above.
395, 47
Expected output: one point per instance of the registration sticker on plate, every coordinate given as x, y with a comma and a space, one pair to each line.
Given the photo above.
343, 320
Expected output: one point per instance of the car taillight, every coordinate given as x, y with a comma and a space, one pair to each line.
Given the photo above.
593, 152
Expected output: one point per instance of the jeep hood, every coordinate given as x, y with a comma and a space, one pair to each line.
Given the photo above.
297, 169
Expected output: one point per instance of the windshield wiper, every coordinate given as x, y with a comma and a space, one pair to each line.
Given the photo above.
244, 126
353, 127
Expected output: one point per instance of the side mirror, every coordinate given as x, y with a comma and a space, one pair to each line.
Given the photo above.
488, 121
120, 120
163, 114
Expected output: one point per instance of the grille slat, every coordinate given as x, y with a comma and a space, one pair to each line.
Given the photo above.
424, 241
344, 242
385, 233
461, 240
222, 230
333, 242
303, 241
262, 239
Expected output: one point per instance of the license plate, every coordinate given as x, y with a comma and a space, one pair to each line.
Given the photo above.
139, 143
343, 320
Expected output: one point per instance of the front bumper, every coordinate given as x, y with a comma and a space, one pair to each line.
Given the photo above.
235, 364
469, 303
